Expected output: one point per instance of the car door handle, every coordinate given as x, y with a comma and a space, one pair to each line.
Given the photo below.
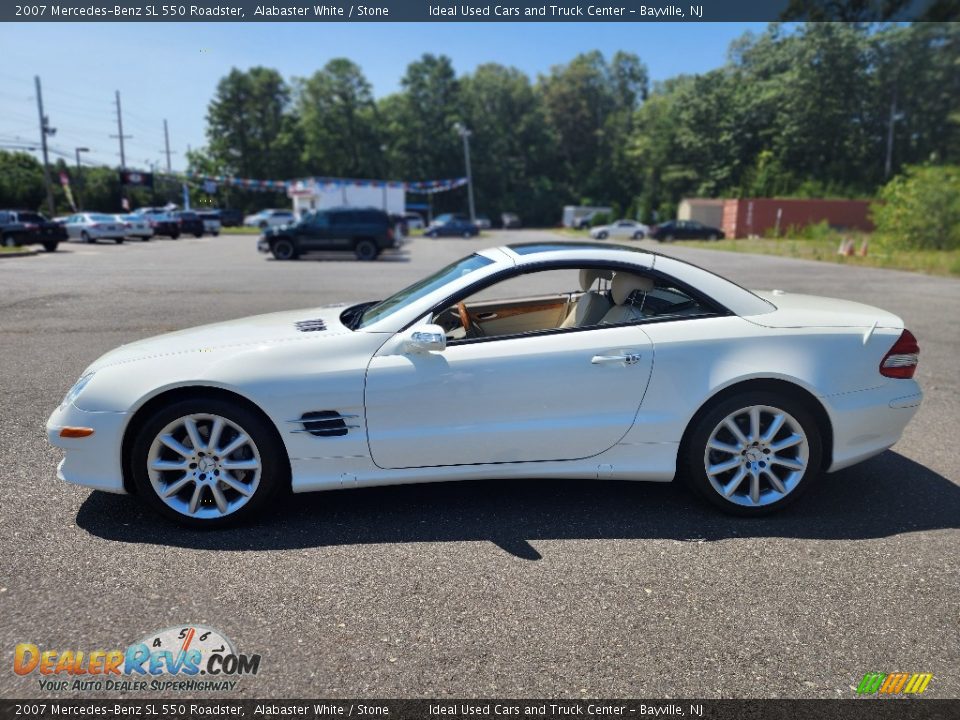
625, 359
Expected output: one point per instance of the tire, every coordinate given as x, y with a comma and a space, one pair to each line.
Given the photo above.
10, 241
366, 250
51, 246
468, 234
175, 236
198, 235
265, 469
712, 236
759, 456
118, 241
638, 236
601, 236
85, 236
216, 233
284, 249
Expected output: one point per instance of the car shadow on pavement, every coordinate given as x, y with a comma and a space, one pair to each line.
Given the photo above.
884, 496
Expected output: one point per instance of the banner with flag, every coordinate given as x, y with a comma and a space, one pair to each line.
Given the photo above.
65, 182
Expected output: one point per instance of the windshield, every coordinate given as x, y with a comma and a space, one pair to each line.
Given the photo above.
423, 288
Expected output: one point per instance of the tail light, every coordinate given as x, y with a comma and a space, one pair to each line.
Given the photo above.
901, 360
97, 226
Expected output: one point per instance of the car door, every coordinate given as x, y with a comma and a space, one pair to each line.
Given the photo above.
312, 232
562, 395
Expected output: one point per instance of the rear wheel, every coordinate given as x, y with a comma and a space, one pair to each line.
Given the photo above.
283, 249
51, 246
712, 236
601, 236
753, 453
207, 463
366, 250
174, 236
118, 241
198, 235
85, 236
10, 241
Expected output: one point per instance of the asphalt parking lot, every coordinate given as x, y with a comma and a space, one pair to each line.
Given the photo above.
523, 589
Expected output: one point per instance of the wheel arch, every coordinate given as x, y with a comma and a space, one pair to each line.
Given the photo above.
793, 390
184, 392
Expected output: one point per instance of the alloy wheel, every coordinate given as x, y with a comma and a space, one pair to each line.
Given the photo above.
204, 466
756, 456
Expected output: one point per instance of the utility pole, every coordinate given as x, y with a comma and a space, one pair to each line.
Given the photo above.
888, 165
166, 142
465, 136
79, 183
45, 130
120, 135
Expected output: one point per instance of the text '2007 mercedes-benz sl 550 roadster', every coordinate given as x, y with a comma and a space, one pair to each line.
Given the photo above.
538, 360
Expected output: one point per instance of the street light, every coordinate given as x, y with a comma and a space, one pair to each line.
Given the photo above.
465, 134
79, 177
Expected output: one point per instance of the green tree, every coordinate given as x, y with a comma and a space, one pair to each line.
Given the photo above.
921, 208
339, 123
21, 181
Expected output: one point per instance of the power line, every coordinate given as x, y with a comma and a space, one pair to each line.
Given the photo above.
45, 130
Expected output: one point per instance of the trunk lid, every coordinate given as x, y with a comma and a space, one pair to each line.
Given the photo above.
795, 310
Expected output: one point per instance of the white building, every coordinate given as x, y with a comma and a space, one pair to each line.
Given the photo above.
323, 193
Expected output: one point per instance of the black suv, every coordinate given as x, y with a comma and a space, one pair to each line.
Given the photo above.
365, 231
22, 227
190, 223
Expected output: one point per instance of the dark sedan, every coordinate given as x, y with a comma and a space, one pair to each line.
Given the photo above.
190, 223
685, 230
455, 227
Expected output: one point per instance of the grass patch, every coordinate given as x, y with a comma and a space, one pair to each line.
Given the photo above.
242, 230
931, 262
15, 250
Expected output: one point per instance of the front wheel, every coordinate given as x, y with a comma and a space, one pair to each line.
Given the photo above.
85, 236
283, 249
712, 236
601, 236
10, 241
118, 241
51, 246
207, 463
174, 236
366, 250
753, 453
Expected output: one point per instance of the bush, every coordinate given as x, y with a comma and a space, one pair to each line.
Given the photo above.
920, 209
600, 218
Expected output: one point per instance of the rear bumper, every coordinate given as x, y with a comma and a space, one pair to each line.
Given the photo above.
92, 461
867, 422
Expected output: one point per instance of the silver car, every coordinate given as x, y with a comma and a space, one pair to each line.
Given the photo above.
90, 227
135, 226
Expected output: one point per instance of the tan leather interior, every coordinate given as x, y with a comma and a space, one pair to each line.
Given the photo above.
590, 308
624, 285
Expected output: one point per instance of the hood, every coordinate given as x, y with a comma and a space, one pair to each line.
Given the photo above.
795, 310
243, 333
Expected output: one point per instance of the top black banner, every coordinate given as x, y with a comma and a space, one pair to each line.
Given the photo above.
480, 11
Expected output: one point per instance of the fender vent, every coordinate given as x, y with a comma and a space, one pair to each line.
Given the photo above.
311, 325
324, 423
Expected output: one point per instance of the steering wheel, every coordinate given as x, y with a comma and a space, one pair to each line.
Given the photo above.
464, 315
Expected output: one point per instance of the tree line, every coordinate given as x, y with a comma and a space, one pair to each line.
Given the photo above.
815, 110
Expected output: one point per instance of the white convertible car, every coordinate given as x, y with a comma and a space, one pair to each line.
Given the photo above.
549, 360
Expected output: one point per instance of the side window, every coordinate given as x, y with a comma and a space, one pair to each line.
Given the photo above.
320, 220
665, 300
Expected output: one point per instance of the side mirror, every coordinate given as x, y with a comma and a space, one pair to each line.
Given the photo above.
425, 338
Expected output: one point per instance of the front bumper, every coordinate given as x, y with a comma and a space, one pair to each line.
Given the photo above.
93, 461
867, 422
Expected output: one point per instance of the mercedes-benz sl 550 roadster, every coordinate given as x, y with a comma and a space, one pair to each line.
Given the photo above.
538, 360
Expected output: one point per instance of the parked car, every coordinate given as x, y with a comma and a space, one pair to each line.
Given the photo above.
230, 217
685, 230
211, 221
161, 221
620, 229
414, 221
444, 218
190, 223
269, 218
135, 226
510, 221
24, 227
745, 402
90, 227
453, 228
483, 222
366, 232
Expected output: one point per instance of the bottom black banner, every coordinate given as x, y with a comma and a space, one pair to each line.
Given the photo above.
867, 709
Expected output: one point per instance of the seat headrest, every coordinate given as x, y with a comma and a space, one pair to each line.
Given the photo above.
589, 277
624, 284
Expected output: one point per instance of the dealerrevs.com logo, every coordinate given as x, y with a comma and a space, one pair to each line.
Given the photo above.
901, 683
187, 658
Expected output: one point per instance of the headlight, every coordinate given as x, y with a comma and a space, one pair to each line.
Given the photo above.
74, 392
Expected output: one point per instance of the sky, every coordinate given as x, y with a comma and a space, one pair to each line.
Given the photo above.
170, 71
